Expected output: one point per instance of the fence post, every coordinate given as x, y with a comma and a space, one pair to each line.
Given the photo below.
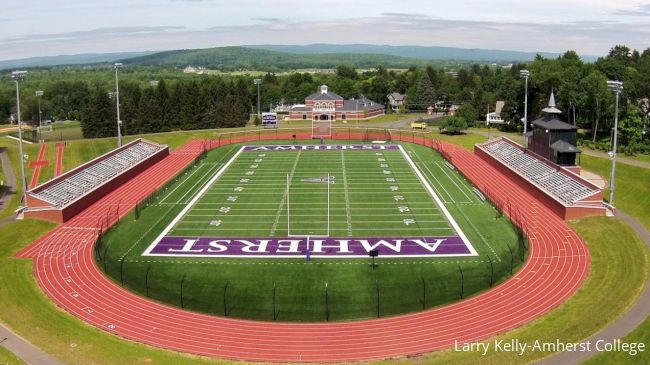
491, 271
424, 294
462, 282
122, 270
378, 306
327, 304
225, 304
182, 282
275, 314
146, 281
512, 259
105, 255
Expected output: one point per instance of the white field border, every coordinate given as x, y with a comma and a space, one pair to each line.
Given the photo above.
442, 207
209, 184
189, 206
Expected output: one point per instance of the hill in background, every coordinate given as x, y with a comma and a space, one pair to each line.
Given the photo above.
243, 58
78, 59
288, 57
418, 52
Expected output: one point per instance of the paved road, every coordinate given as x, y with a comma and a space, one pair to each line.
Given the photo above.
622, 326
627, 161
24, 350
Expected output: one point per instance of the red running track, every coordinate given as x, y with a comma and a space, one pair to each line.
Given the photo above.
38, 165
65, 269
59, 158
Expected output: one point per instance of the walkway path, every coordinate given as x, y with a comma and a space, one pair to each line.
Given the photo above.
621, 327
25, 350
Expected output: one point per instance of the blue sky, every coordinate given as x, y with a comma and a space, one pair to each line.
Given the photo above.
45, 28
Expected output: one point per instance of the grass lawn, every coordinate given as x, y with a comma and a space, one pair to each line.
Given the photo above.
632, 186
8, 358
640, 334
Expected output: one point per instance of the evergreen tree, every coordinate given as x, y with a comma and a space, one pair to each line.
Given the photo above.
99, 120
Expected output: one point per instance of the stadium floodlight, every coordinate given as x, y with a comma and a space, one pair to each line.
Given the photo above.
616, 87
258, 82
117, 66
525, 74
39, 93
20, 76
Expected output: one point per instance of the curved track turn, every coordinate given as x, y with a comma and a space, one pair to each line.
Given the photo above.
65, 269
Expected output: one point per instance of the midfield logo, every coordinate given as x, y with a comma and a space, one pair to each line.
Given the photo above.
322, 147
317, 247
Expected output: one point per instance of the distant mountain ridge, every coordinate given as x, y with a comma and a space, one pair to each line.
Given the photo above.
267, 57
77, 59
244, 58
418, 52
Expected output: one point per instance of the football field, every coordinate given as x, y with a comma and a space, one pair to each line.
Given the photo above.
316, 191
252, 230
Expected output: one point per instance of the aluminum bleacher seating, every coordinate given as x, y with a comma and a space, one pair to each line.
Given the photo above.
560, 185
76, 185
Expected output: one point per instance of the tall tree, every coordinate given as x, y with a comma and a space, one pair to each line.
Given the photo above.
99, 119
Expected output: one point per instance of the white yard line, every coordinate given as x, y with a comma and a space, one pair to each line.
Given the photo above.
181, 184
444, 171
274, 228
440, 204
446, 229
189, 206
434, 177
179, 201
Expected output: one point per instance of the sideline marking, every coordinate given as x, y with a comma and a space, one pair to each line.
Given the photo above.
442, 206
189, 206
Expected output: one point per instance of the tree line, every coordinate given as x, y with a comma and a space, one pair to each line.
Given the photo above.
157, 107
190, 101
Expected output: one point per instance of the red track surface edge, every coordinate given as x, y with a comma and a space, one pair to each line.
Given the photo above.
66, 271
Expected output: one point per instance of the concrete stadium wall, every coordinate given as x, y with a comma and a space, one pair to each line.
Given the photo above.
61, 215
562, 211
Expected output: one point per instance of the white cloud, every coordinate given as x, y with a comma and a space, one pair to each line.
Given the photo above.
588, 26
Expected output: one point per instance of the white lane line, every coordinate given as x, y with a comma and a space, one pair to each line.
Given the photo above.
274, 228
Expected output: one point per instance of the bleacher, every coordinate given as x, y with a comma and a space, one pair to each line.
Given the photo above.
559, 184
80, 182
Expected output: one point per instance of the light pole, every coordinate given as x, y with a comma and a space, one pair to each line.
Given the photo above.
39, 93
525, 74
118, 66
617, 87
258, 82
20, 76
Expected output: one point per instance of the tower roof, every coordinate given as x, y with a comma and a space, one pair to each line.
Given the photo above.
551, 108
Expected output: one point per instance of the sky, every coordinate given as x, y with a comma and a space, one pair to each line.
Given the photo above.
33, 28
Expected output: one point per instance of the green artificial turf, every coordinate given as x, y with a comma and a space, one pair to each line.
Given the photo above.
360, 196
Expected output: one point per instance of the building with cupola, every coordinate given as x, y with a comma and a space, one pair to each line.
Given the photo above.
552, 138
326, 105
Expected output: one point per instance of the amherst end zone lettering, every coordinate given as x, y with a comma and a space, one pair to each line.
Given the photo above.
317, 247
322, 147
